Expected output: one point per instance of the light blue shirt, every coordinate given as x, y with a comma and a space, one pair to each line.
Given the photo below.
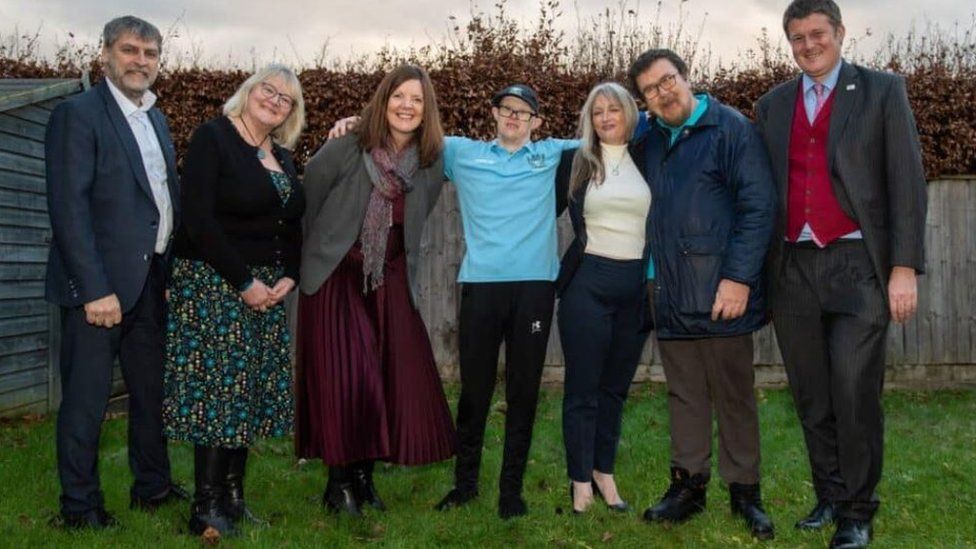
810, 96
508, 207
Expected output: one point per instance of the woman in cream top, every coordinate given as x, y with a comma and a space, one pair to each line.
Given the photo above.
602, 289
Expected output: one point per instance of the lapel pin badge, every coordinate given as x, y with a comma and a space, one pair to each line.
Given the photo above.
850, 87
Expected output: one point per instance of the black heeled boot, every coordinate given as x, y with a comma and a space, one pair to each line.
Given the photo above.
339, 494
206, 511
234, 505
746, 501
684, 498
363, 486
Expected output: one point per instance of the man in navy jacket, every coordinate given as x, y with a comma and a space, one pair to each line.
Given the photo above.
113, 202
709, 228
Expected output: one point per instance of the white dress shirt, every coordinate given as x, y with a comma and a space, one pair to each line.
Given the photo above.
152, 158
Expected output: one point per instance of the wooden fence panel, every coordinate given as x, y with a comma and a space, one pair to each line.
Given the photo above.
942, 333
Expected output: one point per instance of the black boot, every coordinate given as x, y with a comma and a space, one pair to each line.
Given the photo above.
234, 505
206, 511
363, 486
684, 498
746, 501
339, 494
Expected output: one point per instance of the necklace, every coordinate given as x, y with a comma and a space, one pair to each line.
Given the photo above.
616, 167
260, 154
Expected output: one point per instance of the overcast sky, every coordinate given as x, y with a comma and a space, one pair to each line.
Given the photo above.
294, 31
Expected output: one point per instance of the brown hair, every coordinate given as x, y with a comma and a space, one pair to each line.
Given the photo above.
374, 129
801, 9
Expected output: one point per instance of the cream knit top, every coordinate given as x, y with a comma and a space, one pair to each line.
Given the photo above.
616, 210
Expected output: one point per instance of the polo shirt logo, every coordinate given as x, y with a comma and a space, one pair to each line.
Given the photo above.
537, 160
483, 161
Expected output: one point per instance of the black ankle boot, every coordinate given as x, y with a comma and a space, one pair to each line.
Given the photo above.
209, 474
746, 501
339, 494
363, 486
234, 505
684, 498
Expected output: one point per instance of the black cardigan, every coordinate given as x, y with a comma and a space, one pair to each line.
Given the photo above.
232, 214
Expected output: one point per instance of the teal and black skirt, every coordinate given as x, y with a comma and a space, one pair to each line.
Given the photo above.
227, 378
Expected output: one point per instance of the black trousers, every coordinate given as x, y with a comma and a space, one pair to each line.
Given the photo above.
831, 320
520, 315
600, 327
87, 356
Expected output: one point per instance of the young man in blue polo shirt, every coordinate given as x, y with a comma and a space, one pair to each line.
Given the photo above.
506, 188
508, 205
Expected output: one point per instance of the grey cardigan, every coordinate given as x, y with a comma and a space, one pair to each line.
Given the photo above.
337, 189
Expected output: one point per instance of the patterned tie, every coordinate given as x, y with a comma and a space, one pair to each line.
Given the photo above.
820, 91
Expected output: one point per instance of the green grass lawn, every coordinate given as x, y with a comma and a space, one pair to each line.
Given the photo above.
928, 491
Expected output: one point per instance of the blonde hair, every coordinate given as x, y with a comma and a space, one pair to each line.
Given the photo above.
288, 132
588, 161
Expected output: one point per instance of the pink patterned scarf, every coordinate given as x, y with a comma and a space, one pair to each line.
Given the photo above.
390, 173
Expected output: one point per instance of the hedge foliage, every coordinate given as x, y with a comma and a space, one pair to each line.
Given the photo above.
489, 52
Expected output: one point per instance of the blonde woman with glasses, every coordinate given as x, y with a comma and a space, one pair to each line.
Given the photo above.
227, 375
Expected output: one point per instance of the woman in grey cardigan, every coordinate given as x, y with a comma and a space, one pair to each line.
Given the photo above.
368, 387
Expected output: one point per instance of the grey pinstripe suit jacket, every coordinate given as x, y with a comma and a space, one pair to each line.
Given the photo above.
874, 159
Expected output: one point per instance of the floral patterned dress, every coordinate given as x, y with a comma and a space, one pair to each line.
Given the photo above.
227, 377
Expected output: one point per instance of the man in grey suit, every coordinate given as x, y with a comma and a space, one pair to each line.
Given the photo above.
113, 202
847, 162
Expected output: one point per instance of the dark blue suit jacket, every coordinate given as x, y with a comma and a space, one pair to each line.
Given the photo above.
103, 217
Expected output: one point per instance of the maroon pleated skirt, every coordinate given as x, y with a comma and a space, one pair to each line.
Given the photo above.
367, 385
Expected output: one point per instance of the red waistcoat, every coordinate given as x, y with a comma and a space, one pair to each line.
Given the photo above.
811, 197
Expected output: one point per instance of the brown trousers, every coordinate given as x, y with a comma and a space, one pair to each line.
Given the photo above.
713, 373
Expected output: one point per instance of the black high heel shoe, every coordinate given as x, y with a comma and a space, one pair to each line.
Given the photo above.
621, 507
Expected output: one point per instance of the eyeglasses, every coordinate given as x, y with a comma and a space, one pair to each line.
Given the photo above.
664, 84
270, 92
509, 112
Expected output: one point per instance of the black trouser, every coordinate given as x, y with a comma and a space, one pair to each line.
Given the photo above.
87, 356
518, 314
600, 327
831, 321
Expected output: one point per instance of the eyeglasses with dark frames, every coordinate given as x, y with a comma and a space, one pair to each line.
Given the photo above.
509, 112
666, 83
268, 91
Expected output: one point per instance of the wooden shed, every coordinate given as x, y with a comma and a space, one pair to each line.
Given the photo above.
29, 381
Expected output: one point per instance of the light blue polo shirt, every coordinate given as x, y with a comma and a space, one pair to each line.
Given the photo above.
508, 207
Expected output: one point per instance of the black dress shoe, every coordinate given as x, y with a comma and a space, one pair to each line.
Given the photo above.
511, 506
746, 502
852, 534
173, 493
823, 514
339, 494
95, 519
364, 488
455, 498
620, 507
683, 499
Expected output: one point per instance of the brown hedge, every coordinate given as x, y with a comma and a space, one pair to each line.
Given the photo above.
942, 92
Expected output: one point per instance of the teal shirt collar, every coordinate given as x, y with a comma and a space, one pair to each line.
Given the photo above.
692, 120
